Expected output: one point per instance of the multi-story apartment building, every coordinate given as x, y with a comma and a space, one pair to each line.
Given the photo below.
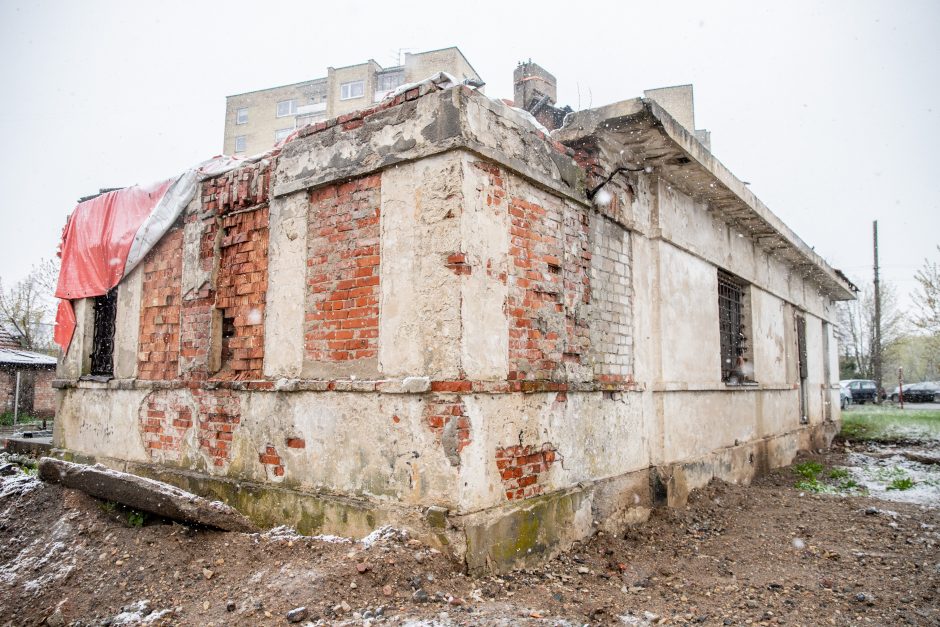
256, 120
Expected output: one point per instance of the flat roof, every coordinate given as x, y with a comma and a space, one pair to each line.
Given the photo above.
255, 91
17, 357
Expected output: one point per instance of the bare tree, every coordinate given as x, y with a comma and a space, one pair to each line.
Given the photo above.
927, 297
856, 329
27, 307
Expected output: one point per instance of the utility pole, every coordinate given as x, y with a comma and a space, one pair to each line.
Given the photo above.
876, 339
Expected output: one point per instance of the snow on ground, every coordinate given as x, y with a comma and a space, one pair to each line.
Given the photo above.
887, 477
381, 534
18, 484
139, 613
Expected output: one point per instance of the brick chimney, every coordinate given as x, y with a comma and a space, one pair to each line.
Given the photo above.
532, 84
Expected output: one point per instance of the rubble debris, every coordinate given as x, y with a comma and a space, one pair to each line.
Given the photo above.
147, 495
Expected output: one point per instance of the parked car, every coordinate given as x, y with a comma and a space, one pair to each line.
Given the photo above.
863, 390
895, 395
925, 392
845, 397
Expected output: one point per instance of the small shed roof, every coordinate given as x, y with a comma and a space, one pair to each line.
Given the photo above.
29, 359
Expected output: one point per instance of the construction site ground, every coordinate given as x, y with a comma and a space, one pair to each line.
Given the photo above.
803, 545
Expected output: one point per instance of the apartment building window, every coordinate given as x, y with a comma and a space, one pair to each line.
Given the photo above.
281, 133
388, 82
241, 115
352, 89
240, 143
736, 364
286, 107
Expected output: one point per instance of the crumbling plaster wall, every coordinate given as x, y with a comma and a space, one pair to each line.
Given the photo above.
698, 413
511, 376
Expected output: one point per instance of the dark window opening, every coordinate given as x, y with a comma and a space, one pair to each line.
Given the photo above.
102, 350
735, 367
228, 333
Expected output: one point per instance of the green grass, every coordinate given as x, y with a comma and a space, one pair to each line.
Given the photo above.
904, 483
839, 473
891, 424
810, 481
808, 470
6, 419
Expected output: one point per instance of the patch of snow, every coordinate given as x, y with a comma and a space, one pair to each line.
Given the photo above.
441, 79
528, 117
382, 534
877, 475
55, 558
282, 532
331, 539
18, 484
139, 614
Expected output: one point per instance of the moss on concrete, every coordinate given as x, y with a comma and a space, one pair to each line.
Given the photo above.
527, 534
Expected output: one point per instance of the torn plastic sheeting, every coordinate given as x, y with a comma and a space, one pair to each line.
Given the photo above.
96, 243
106, 237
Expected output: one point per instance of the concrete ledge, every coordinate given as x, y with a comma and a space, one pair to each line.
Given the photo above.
27, 446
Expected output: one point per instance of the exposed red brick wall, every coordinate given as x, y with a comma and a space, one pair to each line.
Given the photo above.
447, 418
43, 394
242, 286
521, 468
198, 305
550, 283
246, 187
272, 460
165, 417
158, 355
342, 321
219, 416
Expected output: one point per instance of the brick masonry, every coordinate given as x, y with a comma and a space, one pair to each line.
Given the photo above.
242, 286
165, 417
612, 319
158, 352
272, 462
523, 467
219, 417
342, 320
549, 286
37, 396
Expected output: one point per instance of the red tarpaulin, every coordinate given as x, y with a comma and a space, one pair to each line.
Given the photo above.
95, 245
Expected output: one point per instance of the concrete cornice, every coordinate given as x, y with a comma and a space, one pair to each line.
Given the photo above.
425, 124
649, 137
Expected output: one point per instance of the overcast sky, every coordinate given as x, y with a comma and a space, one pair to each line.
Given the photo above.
828, 109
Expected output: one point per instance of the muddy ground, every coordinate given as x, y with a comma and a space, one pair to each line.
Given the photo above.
765, 554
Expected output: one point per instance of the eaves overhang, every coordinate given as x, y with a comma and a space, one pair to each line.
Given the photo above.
639, 133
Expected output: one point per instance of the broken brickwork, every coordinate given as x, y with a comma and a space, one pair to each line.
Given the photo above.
343, 271
551, 290
523, 467
158, 353
242, 284
165, 417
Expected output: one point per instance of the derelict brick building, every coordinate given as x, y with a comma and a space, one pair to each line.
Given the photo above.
430, 314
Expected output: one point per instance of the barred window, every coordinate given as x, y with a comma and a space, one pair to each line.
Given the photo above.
735, 364
102, 350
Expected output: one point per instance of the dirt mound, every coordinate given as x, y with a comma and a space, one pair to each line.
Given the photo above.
763, 554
